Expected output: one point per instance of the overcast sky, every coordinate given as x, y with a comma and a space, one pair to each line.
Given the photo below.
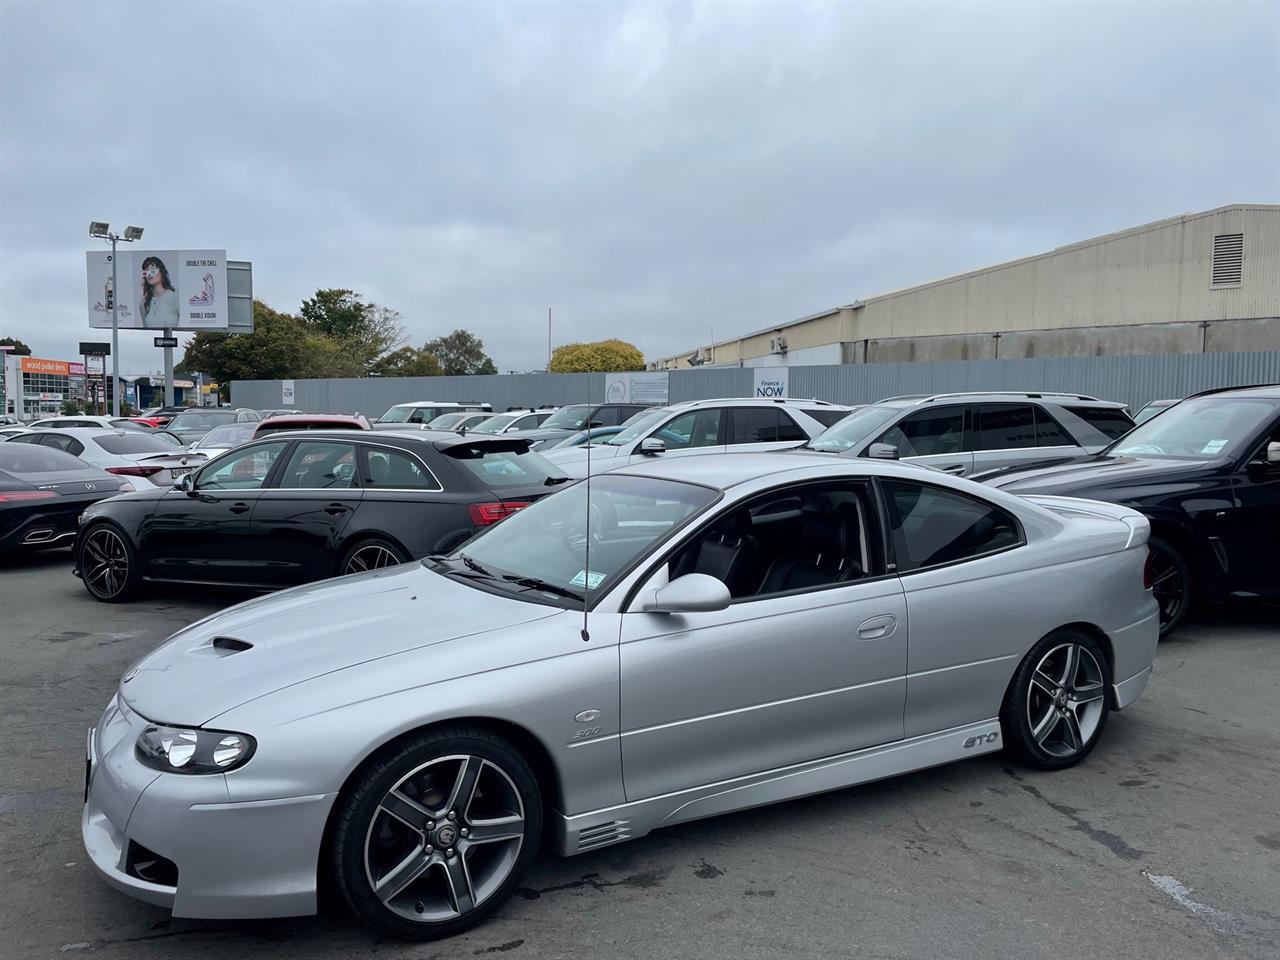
648, 170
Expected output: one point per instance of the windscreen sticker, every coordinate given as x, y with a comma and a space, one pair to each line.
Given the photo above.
1213, 446
589, 581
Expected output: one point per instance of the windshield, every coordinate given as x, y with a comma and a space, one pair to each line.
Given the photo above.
201, 419
134, 443
547, 541
572, 417
232, 435
854, 430
1206, 429
22, 458
638, 426
500, 465
445, 421
496, 424
400, 414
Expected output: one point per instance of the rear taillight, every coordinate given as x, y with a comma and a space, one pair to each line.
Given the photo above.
486, 514
1147, 578
135, 471
15, 495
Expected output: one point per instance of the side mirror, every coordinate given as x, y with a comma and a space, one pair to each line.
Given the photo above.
186, 483
1268, 462
595, 423
652, 446
692, 593
1273, 452
883, 451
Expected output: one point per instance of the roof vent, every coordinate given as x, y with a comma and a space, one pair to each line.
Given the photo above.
1228, 259
231, 644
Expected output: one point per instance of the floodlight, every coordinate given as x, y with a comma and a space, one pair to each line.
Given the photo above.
133, 233
99, 229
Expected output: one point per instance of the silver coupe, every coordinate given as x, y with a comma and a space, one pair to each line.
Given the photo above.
676, 640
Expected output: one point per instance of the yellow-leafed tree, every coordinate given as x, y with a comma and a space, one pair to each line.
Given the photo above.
603, 356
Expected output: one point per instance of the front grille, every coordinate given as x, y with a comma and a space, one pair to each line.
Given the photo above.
150, 866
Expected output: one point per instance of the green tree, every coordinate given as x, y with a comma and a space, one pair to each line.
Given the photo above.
603, 356
70, 407
460, 354
20, 349
407, 362
368, 330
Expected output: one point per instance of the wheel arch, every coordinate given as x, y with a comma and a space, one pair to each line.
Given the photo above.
529, 745
354, 541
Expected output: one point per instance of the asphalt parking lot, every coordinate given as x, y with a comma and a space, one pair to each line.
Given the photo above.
1164, 843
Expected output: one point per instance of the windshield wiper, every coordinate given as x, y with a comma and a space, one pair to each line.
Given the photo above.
444, 559
533, 583
475, 566
552, 481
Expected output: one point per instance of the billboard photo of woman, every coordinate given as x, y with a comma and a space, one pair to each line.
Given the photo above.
159, 298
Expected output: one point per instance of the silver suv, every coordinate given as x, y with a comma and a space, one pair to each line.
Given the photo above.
965, 433
704, 426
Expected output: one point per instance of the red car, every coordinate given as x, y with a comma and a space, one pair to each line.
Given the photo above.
311, 421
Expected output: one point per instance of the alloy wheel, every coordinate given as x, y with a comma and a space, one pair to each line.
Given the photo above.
1168, 585
1065, 699
372, 556
105, 563
444, 839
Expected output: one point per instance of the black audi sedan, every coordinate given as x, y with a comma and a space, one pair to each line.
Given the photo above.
42, 492
1206, 473
292, 508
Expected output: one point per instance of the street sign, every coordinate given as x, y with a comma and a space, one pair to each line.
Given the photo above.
90, 348
165, 341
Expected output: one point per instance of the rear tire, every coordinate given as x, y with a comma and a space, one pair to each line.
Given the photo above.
371, 554
1171, 584
108, 564
1056, 705
436, 833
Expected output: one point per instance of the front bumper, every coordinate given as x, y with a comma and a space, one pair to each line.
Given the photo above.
245, 859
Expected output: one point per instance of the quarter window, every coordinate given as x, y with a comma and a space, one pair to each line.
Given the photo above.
1106, 420
929, 526
395, 470
1005, 426
928, 433
1048, 433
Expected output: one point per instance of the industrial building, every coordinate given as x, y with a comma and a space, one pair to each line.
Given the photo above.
1198, 283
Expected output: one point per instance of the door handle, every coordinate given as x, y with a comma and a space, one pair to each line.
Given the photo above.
336, 509
241, 508
956, 470
877, 627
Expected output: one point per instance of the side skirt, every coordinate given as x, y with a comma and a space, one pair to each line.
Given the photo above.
600, 828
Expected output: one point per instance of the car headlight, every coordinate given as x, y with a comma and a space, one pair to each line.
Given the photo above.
181, 750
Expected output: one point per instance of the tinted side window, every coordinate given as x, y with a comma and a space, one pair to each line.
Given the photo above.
928, 432
243, 470
320, 465
1048, 433
391, 469
930, 526
1108, 421
789, 430
697, 428
754, 425
1005, 426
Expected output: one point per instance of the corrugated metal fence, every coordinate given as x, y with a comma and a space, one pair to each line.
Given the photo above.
1130, 379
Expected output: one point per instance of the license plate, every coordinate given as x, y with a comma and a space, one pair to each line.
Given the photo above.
88, 761
180, 471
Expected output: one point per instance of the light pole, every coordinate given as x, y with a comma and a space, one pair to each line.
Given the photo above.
102, 231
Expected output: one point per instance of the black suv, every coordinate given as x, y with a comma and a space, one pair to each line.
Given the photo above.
1206, 473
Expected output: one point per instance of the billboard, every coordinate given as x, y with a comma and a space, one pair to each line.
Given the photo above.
636, 388
177, 289
770, 382
59, 368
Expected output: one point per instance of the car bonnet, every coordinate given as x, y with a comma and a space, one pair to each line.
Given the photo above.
273, 642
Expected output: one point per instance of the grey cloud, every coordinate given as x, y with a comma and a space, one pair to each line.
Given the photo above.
646, 169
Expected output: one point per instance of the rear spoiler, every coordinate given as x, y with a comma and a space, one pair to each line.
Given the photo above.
1139, 526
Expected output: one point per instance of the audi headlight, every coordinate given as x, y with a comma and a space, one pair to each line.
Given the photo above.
180, 750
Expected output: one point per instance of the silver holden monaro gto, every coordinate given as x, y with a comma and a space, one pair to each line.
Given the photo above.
677, 640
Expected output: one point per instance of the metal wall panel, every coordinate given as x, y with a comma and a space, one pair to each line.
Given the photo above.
1134, 380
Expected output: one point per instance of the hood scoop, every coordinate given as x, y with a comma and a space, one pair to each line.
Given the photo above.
230, 645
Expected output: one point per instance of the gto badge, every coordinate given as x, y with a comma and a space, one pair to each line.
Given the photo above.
586, 716
981, 739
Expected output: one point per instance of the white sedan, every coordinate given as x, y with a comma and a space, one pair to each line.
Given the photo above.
144, 459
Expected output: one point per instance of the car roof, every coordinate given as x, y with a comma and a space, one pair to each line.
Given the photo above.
726, 470
311, 418
1268, 391
1006, 396
440, 439
757, 402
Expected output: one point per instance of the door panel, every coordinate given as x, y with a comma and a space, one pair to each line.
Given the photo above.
762, 684
688, 434
1254, 550
204, 534
933, 437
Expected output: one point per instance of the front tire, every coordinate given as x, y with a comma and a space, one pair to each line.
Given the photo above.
1170, 583
108, 564
436, 833
1056, 704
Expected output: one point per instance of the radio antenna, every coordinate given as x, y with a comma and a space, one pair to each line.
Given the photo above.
586, 576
